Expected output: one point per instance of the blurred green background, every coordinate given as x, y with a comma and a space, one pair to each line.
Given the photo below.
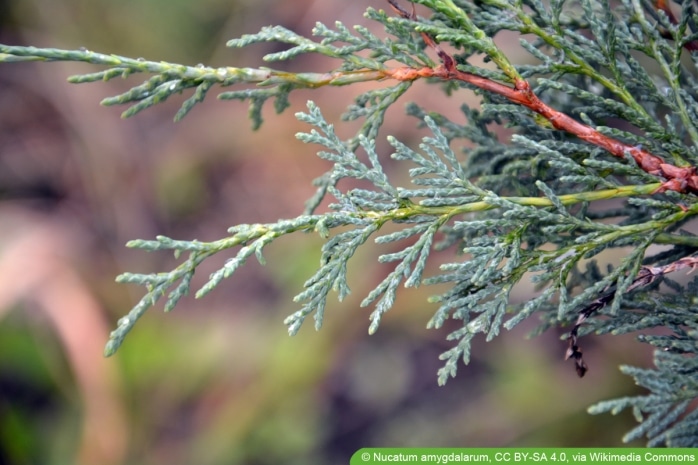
219, 381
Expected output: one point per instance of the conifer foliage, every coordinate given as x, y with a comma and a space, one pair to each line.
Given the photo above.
606, 108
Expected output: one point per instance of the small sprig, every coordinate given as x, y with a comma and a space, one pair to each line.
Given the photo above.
250, 238
169, 79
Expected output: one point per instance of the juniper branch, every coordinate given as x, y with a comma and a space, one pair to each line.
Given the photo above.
679, 179
510, 209
169, 78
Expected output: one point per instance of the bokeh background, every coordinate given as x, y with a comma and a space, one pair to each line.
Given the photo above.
218, 380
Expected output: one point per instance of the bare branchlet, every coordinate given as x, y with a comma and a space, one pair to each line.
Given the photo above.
647, 275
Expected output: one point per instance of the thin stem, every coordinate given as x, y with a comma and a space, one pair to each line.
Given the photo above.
223, 75
482, 205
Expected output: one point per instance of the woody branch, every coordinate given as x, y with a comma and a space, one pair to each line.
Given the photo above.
679, 179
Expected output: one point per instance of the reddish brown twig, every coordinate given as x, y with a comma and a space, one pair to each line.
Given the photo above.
646, 275
679, 179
